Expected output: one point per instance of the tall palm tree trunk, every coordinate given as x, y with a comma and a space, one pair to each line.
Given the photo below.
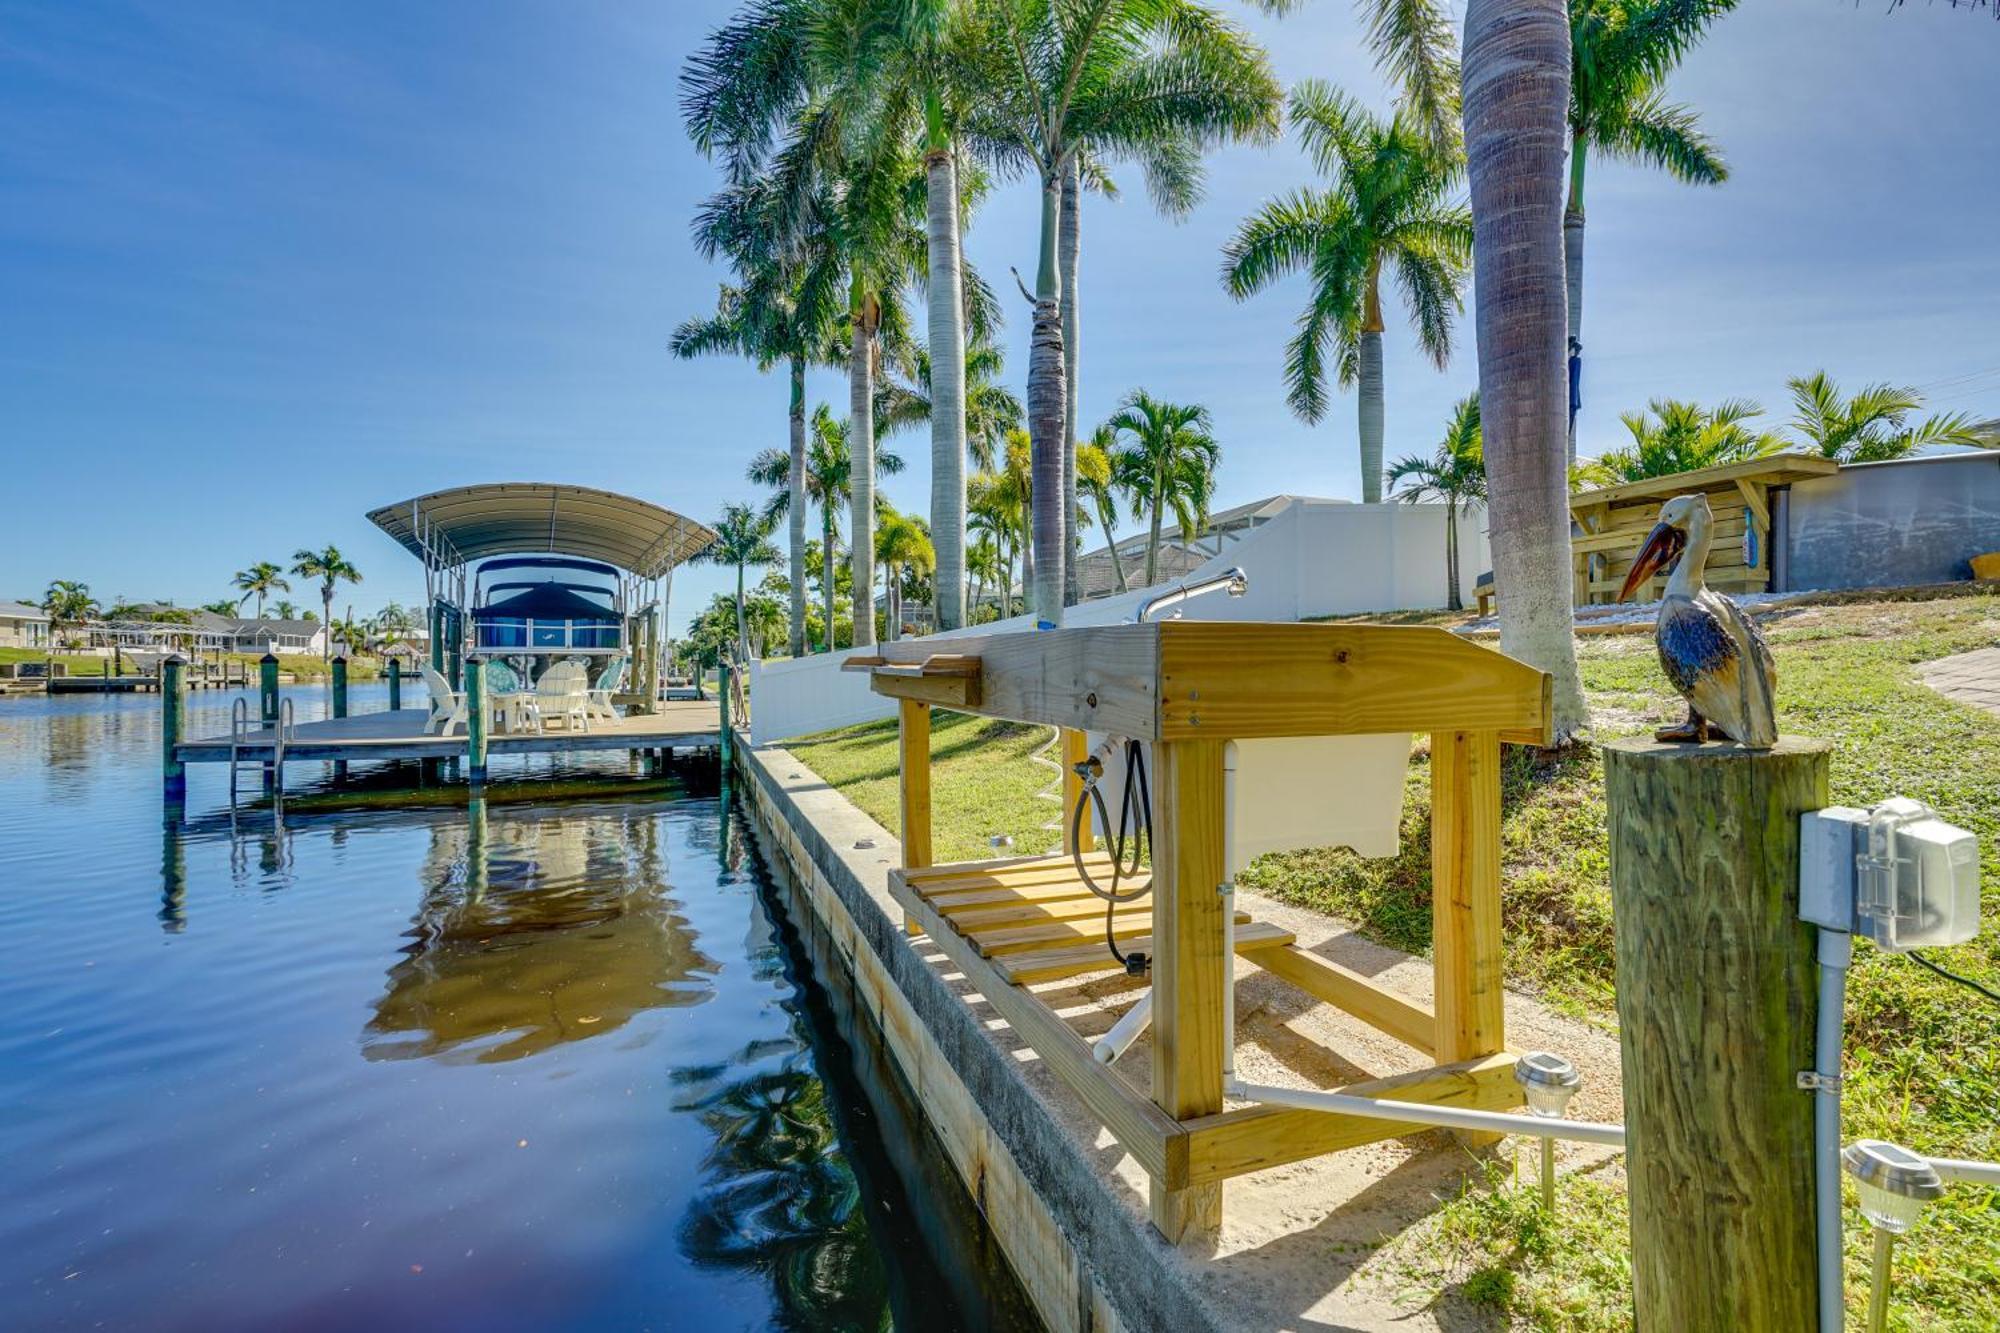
1573, 268
1111, 545
795, 499
1153, 537
742, 626
1069, 244
947, 339
1516, 96
826, 567
861, 518
1370, 406
326, 620
1452, 600
1045, 416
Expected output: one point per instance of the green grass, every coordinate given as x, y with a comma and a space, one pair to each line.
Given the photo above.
1923, 1057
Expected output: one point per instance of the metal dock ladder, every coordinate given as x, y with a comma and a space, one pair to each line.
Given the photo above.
242, 735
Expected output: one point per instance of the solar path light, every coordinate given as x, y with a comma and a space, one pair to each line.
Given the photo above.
1549, 1082
1894, 1184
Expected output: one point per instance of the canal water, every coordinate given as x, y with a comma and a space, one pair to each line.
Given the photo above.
531, 1065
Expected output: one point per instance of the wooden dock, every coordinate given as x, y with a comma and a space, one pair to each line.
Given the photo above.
401, 735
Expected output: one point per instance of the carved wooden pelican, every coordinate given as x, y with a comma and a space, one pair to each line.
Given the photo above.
1711, 652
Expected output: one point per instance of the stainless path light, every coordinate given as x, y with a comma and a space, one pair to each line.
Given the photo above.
1894, 1184
1549, 1082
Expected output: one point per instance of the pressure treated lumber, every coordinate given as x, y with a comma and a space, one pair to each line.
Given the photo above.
1350, 992
1716, 1007
1076, 960
913, 754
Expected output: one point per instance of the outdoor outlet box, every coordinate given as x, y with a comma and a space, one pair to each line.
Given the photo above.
1896, 874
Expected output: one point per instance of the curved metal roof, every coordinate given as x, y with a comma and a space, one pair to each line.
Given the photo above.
523, 517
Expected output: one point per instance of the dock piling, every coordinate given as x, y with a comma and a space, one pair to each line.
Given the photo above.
475, 721
395, 684
723, 746
173, 723
340, 708
1714, 962
267, 704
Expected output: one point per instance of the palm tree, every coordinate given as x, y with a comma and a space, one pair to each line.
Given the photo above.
1870, 426
1387, 211
331, 568
982, 564
1098, 483
1455, 474
1157, 80
1516, 98
886, 74
1674, 436
67, 604
742, 539
1000, 505
1621, 51
902, 544
828, 480
258, 581
991, 409
1168, 462
285, 610
783, 313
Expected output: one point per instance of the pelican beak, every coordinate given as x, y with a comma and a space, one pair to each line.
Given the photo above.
1661, 546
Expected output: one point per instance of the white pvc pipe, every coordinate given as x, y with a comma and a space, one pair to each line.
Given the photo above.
1424, 1113
1835, 950
1227, 889
1125, 1031
1970, 1173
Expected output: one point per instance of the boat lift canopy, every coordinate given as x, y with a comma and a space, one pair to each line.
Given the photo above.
448, 529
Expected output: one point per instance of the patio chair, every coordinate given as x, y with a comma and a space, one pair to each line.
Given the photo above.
447, 704
609, 682
563, 692
513, 706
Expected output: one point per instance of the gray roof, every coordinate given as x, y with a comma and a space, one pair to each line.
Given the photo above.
271, 629
22, 611
544, 518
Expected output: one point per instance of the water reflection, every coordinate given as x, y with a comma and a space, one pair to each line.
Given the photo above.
535, 929
778, 1197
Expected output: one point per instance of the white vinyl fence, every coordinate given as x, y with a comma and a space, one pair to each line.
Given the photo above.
1314, 558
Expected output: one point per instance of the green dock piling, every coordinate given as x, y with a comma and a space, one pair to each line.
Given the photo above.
340, 708
475, 721
722, 744
395, 684
173, 723
267, 689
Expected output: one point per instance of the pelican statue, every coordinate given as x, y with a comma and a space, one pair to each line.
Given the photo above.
1711, 652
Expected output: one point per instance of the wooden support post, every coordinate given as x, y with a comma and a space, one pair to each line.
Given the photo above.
913, 740
1189, 970
476, 721
1075, 749
723, 741
267, 705
395, 684
339, 707
173, 722
1717, 1002
437, 639
1465, 895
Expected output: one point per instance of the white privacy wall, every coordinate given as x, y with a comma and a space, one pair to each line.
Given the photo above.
1314, 558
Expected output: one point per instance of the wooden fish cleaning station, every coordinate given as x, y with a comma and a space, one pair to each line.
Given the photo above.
1208, 699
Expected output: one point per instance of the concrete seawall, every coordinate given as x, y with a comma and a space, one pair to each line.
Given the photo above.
1085, 1257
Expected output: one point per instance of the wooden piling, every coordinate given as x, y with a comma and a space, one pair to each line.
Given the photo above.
267, 689
395, 684
340, 707
475, 721
173, 723
1717, 1001
722, 742
913, 744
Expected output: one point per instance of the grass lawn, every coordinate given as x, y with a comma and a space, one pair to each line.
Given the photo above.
1923, 1055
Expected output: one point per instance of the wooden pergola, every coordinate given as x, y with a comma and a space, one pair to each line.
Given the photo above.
1188, 689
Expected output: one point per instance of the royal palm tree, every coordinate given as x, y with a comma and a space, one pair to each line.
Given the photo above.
1621, 52
259, 581
1000, 504
783, 313
1097, 484
1455, 474
1166, 456
1388, 211
1872, 425
1516, 98
828, 481
991, 409
902, 544
67, 604
1674, 436
742, 539
331, 568
1156, 80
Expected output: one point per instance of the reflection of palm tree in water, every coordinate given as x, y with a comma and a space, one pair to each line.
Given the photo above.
536, 929
780, 1197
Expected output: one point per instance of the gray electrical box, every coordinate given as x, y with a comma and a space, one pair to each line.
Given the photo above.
1896, 873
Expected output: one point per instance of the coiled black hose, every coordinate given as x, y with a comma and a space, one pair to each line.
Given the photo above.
1135, 823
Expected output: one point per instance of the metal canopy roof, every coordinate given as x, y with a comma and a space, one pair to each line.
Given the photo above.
513, 518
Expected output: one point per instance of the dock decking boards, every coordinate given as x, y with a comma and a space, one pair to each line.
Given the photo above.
401, 735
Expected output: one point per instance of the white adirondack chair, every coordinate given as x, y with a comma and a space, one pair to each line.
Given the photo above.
447, 704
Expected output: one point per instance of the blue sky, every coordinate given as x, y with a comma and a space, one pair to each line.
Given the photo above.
266, 265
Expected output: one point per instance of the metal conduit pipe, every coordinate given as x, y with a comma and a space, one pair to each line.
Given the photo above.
1233, 578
